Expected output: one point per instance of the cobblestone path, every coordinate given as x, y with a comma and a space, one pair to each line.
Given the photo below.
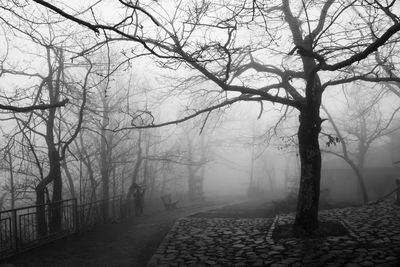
373, 240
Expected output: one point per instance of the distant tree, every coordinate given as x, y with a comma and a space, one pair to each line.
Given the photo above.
285, 52
360, 125
196, 155
100, 148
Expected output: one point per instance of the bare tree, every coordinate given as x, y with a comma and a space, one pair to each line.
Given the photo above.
196, 156
361, 125
53, 85
285, 52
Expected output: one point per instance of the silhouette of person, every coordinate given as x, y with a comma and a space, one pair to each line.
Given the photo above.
138, 196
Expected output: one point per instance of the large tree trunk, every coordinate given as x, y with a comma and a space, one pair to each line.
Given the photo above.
310, 158
56, 212
310, 155
41, 209
53, 86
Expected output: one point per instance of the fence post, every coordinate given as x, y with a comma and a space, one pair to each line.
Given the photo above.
15, 229
398, 191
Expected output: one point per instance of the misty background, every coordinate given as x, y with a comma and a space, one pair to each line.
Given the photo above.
245, 149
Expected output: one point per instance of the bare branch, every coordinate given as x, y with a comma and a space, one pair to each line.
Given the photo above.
68, 16
33, 107
363, 54
195, 114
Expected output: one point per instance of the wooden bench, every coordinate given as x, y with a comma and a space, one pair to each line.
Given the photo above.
168, 203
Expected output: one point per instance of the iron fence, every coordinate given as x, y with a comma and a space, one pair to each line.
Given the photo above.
20, 231
28, 227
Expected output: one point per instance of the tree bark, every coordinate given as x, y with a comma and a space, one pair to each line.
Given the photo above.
55, 207
41, 209
54, 175
310, 157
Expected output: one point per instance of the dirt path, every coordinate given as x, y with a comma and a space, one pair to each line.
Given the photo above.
128, 243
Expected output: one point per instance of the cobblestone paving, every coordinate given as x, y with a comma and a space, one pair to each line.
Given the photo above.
373, 240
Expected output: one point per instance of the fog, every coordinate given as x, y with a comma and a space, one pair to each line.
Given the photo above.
137, 128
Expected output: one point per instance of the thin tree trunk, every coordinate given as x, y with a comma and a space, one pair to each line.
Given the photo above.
105, 156
359, 168
360, 178
139, 159
69, 178
12, 186
2, 201
135, 175
123, 183
164, 179
85, 159
114, 175
93, 183
362, 151
105, 173
252, 160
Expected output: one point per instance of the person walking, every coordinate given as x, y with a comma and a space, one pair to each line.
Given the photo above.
138, 196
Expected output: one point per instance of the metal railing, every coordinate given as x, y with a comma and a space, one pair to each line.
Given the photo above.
28, 227
20, 230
